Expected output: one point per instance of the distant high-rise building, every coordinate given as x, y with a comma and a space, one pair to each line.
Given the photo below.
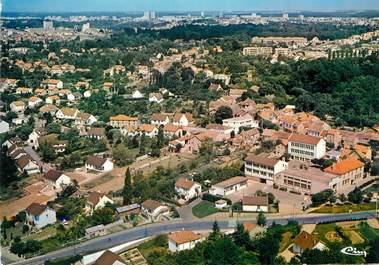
253, 14
148, 15
48, 25
202, 14
85, 27
301, 17
221, 15
285, 16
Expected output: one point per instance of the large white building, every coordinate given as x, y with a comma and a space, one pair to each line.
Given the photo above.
305, 147
263, 168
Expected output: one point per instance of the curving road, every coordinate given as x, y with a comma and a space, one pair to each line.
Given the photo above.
124, 236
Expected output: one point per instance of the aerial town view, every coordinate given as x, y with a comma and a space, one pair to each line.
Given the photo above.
189, 132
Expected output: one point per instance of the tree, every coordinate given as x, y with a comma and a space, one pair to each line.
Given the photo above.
120, 155
342, 197
216, 233
8, 170
321, 197
241, 237
54, 128
25, 228
223, 112
355, 196
375, 169
373, 253
261, 219
127, 192
160, 137
47, 151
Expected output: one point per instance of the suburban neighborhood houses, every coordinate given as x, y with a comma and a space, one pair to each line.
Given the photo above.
189, 138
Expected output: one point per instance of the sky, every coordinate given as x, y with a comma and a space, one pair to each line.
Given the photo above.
186, 5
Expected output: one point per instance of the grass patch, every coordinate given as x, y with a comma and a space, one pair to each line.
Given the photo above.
367, 231
204, 208
286, 241
324, 231
158, 243
42, 234
345, 208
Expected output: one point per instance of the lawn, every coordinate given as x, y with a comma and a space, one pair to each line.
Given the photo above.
327, 232
345, 208
367, 231
158, 243
204, 208
42, 234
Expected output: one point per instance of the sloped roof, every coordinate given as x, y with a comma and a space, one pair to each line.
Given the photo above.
305, 240
109, 258
261, 160
184, 183
35, 209
344, 166
255, 200
182, 237
306, 139
52, 175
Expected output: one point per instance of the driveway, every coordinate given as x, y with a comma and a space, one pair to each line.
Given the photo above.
30, 151
185, 212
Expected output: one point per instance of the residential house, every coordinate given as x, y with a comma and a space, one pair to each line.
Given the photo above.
52, 83
148, 129
304, 241
229, 186
187, 189
52, 139
96, 133
95, 231
170, 130
39, 215
100, 164
156, 97
263, 168
109, 258
24, 90
17, 106
245, 121
67, 114
182, 240
189, 144
255, 204
183, 119
34, 102
214, 87
159, 119
96, 200
137, 95
34, 136
154, 209
305, 147
25, 164
350, 171
54, 100
57, 179
85, 119
48, 109
123, 121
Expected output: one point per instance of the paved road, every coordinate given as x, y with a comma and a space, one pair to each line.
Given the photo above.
124, 236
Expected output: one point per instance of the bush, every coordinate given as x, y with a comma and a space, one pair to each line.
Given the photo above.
321, 197
355, 196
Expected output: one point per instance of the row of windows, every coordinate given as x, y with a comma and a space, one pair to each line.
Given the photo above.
306, 146
260, 166
297, 184
297, 151
296, 179
257, 172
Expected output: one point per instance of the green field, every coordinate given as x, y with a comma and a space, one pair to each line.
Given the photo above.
322, 229
368, 232
204, 208
345, 208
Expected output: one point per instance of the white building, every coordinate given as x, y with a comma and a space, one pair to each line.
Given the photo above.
96, 201
238, 122
17, 106
228, 186
67, 114
34, 136
305, 147
154, 209
263, 168
97, 163
57, 179
255, 204
187, 189
159, 119
182, 240
182, 119
4, 127
137, 95
39, 215
304, 241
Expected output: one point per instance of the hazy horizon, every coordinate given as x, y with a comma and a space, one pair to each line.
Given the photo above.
187, 5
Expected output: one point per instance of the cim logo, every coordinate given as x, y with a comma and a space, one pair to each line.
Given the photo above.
352, 251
